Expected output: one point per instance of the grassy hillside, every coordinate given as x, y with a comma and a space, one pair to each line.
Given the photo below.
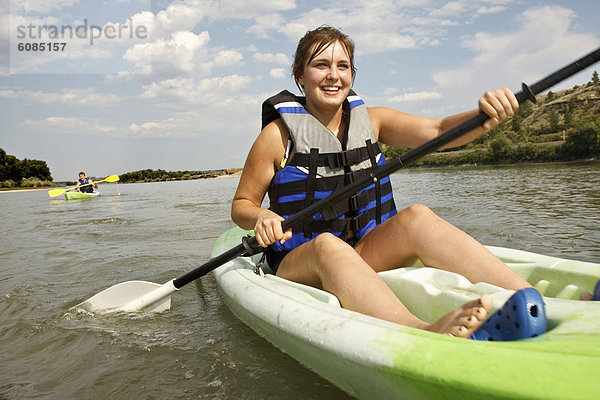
561, 126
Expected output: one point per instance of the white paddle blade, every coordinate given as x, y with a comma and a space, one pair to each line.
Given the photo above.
131, 296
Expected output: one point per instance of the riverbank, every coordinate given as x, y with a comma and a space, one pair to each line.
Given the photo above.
150, 175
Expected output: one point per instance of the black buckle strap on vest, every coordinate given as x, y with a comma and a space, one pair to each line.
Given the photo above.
340, 159
299, 186
373, 156
359, 200
333, 160
354, 203
347, 158
338, 208
310, 187
336, 225
363, 219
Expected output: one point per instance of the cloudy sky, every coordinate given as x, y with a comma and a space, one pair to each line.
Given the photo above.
178, 84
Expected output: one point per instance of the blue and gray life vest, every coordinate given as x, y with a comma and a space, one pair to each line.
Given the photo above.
85, 189
320, 164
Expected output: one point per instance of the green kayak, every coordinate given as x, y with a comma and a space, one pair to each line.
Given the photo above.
375, 359
80, 195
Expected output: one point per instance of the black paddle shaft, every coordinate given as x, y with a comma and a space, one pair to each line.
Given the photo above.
250, 244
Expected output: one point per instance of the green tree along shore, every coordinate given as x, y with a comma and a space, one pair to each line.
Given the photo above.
150, 175
23, 173
561, 126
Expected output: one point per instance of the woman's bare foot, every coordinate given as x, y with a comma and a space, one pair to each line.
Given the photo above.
465, 320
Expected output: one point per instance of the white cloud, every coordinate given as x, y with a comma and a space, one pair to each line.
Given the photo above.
70, 97
71, 125
162, 128
226, 58
266, 24
376, 41
187, 90
183, 53
277, 73
415, 96
432, 22
229, 83
179, 16
451, 9
490, 10
249, 9
42, 6
278, 58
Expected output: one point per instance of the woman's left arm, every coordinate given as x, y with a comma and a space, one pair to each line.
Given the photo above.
407, 130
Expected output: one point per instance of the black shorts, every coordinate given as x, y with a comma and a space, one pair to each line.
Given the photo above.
274, 258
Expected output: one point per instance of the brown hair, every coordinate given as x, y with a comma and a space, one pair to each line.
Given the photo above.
316, 40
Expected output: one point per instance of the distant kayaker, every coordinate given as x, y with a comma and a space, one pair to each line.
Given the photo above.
342, 251
89, 186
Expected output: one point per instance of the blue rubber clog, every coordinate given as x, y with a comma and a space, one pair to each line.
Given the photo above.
522, 316
597, 291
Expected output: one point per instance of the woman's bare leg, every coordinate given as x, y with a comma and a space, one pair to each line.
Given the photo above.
331, 264
419, 232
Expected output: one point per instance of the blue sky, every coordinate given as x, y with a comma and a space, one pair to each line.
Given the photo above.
184, 91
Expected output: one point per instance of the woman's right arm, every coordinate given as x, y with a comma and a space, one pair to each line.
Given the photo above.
260, 167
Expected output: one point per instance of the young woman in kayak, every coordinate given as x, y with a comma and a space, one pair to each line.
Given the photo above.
342, 251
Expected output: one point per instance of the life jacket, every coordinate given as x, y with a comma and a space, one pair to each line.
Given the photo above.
86, 189
322, 164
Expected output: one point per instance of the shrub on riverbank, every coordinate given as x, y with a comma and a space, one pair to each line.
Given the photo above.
583, 142
7, 184
33, 182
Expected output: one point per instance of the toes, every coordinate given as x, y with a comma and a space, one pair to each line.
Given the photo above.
472, 316
480, 313
470, 321
459, 331
486, 301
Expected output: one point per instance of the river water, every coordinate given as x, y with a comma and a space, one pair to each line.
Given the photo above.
56, 253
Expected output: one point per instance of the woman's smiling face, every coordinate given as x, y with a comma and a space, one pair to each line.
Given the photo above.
327, 78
